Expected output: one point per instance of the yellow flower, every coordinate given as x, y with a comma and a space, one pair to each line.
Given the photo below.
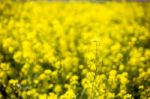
17, 56
47, 72
57, 89
121, 67
110, 95
13, 82
116, 47
42, 96
123, 80
42, 77
84, 71
75, 50
141, 87
2, 74
37, 69
112, 72
93, 67
69, 95
52, 96
25, 69
24, 82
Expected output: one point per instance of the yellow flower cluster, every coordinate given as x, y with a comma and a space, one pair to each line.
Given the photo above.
52, 50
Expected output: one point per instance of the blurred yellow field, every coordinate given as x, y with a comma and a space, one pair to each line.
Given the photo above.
53, 50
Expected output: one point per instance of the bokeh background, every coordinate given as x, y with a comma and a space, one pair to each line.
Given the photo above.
74, 49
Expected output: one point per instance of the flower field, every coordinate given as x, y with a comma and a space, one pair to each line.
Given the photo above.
56, 50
